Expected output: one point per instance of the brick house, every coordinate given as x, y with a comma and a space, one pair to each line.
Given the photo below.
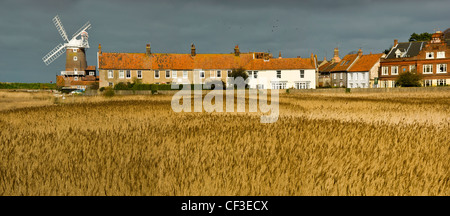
428, 59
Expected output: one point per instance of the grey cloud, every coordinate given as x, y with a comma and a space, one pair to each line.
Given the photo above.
296, 28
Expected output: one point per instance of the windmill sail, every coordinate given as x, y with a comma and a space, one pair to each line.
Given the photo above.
83, 28
54, 54
60, 28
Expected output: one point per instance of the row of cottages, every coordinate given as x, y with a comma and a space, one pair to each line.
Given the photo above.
352, 71
265, 72
428, 59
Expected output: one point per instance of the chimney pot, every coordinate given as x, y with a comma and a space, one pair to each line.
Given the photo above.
100, 49
236, 50
193, 53
395, 42
279, 55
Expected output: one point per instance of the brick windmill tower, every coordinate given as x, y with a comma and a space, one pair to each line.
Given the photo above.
76, 74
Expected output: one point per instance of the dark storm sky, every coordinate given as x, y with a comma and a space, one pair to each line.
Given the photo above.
296, 28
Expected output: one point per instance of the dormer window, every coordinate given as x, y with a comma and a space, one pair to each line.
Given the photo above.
398, 53
429, 55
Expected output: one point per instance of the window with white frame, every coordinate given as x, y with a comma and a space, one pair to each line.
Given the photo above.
139, 74
250, 74
341, 75
185, 74
75, 78
428, 83
75, 58
278, 85
394, 70
128, 74
174, 74
219, 73
110, 74
302, 73
429, 55
334, 75
427, 68
279, 74
441, 82
440, 55
202, 74
167, 73
393, 84
91, 73
442, 68
229, 73
384, 70
302, 85
412, 68
255, 74
121, 74
156, 74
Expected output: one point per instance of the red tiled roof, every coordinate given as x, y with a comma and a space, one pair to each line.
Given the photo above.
345, 63
124, 61
283, 63
90, 68
366, 62
159, 61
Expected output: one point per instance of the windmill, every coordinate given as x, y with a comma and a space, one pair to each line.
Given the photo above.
74, 49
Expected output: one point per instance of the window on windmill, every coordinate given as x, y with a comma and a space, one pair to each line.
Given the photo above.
75, 58
75, 50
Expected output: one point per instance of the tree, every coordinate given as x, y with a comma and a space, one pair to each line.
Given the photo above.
239, 72
408, 79
420, 37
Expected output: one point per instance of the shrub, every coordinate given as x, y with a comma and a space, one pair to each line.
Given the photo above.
408, 79
102, 89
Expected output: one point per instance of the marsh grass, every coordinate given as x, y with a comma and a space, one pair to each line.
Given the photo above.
322, 144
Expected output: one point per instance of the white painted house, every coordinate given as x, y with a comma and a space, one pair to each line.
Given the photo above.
364, 71
282, 73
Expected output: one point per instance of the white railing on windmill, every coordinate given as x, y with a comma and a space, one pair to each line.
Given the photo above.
72, 43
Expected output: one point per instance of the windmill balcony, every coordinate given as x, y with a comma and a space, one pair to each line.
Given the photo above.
73, 73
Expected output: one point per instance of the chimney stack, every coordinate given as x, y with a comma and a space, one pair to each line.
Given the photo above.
395, 42
193, 49
279, 55
148, 51
360, 52
336, 58
236, 50
99, 49
324, 58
